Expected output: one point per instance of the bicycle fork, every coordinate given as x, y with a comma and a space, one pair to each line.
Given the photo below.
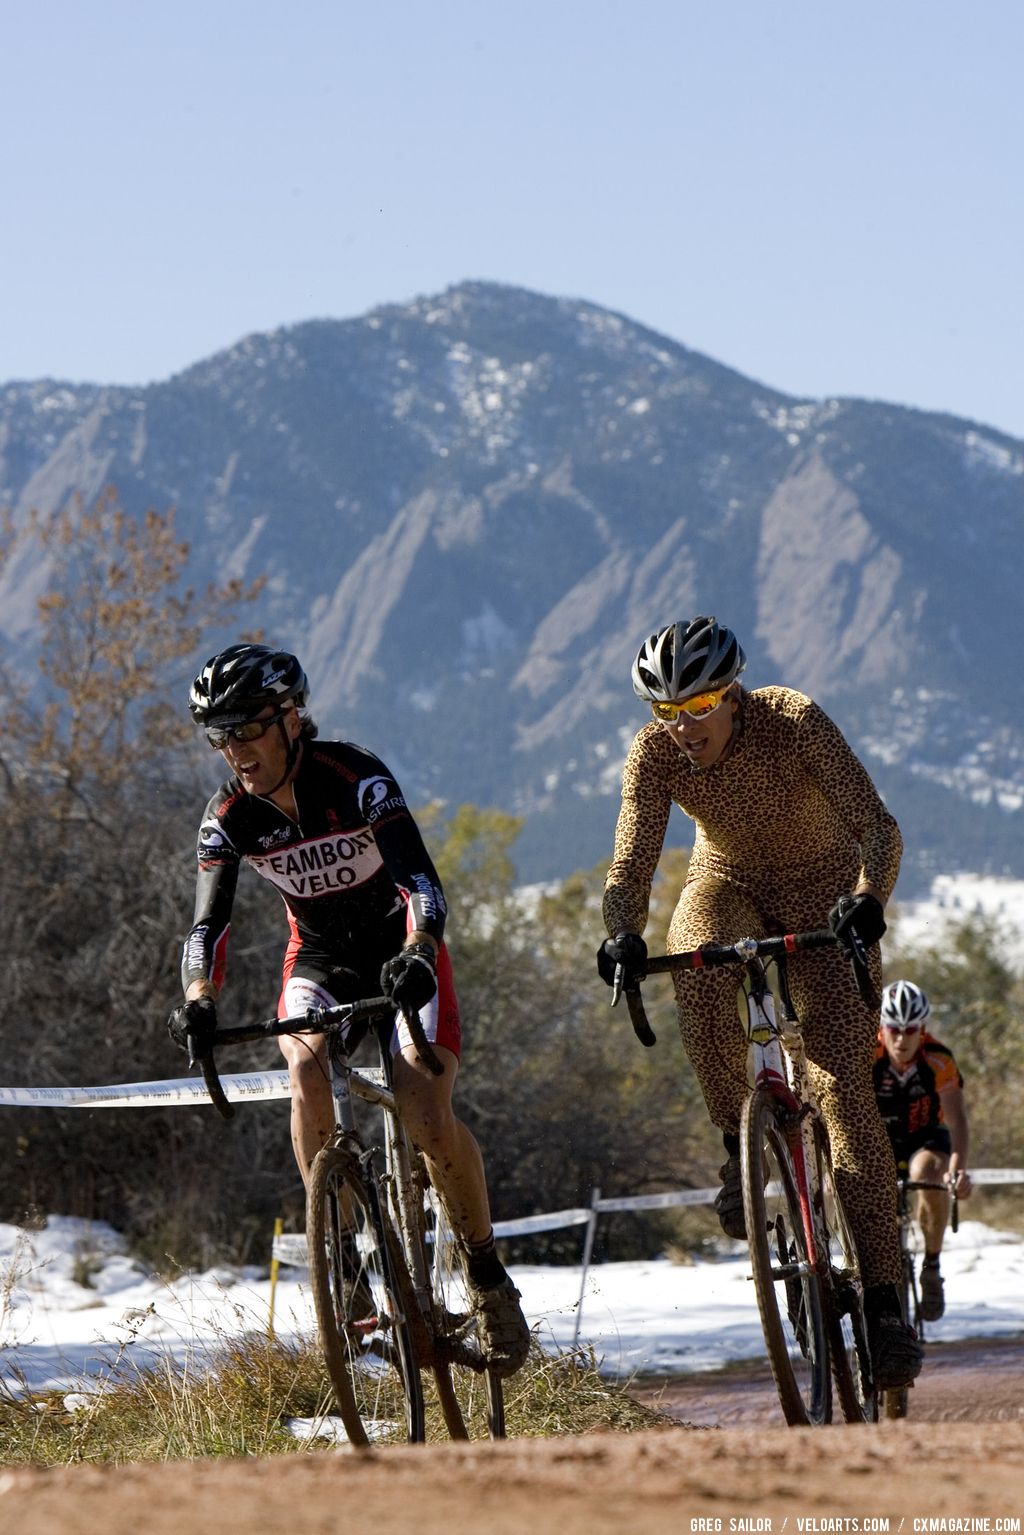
769, 1068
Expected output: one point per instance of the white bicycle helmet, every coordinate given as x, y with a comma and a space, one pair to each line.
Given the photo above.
685, 659
903, 1003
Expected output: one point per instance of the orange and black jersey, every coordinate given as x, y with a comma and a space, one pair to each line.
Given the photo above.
352, 869
910, 1103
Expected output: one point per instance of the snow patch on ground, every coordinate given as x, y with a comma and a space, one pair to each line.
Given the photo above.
655, 1317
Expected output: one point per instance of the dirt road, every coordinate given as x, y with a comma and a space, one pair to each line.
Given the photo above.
756, 1476
977, 1381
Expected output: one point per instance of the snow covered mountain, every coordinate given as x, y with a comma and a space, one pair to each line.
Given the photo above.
472, 509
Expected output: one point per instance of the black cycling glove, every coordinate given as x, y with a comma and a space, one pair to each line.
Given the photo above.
193, 1025
410, 979
625, 949
857, 922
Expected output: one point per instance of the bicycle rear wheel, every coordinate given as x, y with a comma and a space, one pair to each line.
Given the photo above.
844, 1299
471, 1396
788, 1286
361, 1294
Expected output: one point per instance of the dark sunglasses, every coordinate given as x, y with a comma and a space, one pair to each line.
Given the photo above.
249, 730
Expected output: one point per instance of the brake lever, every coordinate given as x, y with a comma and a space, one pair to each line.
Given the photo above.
862, 975
617, 983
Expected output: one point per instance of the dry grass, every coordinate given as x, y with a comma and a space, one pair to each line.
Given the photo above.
238, 1399
235, 1401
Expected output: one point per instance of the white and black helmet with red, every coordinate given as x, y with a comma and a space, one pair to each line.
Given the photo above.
241, 680
903, 1003
684, 659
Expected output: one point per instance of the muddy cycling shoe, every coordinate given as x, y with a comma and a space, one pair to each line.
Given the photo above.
729, 1200
896, 1353
504, 1334
933, 1301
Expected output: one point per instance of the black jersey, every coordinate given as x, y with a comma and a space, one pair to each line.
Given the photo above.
348, 869
910, 1102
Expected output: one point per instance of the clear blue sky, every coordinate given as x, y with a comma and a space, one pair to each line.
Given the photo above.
824, 194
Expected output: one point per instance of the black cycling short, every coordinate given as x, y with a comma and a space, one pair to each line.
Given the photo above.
937, 1139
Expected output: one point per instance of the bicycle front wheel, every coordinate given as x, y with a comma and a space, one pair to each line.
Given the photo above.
361, 1296
847, 1328
776, 1204
471, 1396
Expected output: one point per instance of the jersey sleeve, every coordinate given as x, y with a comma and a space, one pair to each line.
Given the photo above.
204, 956
843, 777
401, 845
947, 1073
639, 835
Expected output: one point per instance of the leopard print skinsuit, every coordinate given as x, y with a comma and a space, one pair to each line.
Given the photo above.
787, 821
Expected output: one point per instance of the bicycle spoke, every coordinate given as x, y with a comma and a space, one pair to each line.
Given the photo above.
354, 1274
470, 1396
788, 1286
851, 1361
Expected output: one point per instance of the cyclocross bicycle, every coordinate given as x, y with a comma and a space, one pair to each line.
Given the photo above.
806, 1272
385, 1266
897, 1402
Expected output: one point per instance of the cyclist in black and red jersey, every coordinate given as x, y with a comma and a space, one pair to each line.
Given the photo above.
919, 1091
326, 824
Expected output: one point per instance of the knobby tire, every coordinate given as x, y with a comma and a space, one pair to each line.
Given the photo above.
844, 1297
793, 1313
471, 1396
362, 1296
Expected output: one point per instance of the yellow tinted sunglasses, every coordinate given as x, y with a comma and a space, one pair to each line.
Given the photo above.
695, 708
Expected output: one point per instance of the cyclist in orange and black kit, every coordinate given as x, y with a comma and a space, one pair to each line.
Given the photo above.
326, 824
790, 835
919, 1091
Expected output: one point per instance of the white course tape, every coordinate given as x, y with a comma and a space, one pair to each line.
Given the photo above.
530, 1223
289, 1247
658, 1201
130, 1095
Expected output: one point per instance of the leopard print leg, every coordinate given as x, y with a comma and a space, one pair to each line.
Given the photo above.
713, 911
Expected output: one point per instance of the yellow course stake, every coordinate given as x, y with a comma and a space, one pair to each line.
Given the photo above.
274, 1266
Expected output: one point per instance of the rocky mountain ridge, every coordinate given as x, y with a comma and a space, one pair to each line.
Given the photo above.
472, 508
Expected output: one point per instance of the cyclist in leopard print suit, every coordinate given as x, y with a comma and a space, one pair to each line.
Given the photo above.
787, 822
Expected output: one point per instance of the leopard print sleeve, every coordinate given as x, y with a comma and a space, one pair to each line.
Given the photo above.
847, 783
639, 833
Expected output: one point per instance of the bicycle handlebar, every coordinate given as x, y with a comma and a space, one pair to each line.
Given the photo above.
316, 1020
949, 1187
218, 1097
710, 955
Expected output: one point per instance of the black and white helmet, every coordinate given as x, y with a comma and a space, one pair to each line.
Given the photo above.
903, 1003
240, 681
685, 659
